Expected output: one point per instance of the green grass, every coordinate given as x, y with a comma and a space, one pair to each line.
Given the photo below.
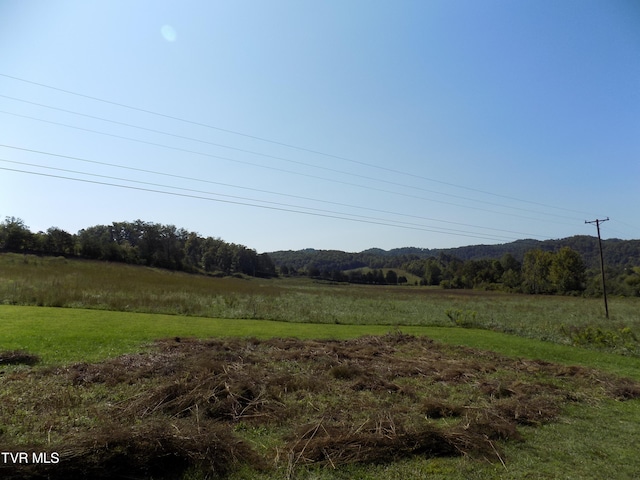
64, 335
588, 443
58, 282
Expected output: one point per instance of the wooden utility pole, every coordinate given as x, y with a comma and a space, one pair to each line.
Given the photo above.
604, 288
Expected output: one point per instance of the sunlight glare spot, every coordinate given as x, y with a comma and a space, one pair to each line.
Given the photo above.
169, 33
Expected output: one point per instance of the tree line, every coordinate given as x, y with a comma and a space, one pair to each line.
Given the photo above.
540, 272
139, 243
561, 272
375, 276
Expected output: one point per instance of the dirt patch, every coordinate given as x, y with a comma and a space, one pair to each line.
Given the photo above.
191, 403
18, 357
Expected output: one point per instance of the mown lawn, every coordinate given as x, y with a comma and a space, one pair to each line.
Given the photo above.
66, 335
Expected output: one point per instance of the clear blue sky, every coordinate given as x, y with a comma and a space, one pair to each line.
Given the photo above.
388, 123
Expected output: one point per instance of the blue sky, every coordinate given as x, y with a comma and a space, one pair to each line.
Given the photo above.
331, 125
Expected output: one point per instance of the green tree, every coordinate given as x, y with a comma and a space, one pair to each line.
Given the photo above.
632, 280
391, 277
535, 271
417, 267
451, 271
355, 276
265, 266
313, 271
509, 262
194, 251
378, 277
567, 271
58, 242
15, 236
98, 242
511, 279
432, 272
244, 260
511, 271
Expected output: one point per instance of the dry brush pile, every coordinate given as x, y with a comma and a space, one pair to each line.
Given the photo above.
281, 403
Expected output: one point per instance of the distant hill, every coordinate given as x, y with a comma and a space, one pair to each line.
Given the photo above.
617, 253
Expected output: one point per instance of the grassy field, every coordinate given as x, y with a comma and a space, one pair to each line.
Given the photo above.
58, 282
67, 335
285, 404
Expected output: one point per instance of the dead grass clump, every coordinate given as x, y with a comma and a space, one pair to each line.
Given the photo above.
345, 371
624, 389
371, 399
532, 411
436, 408
243, 400
18, 357
155, 449
217, 396
173, 399
496, 389
371, 448
374, 383
382, 444
127, 369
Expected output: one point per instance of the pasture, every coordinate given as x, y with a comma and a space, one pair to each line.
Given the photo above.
298, 379
58, 282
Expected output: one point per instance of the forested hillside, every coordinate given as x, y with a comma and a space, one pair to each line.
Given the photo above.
618, 253
140, 243
567, 266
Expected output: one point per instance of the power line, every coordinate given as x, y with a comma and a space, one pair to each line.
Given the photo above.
626, 232
201, 192
351, 184
243, 203
442, 229
288, 145
296, 162
154, 172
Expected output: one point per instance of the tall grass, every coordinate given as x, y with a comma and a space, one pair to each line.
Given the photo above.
59, 282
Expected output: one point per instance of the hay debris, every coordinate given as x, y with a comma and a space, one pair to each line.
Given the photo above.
187, 403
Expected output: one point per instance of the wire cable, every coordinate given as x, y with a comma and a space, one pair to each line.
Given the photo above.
337, 215
194, 152
296, 162
182, 177
288, 145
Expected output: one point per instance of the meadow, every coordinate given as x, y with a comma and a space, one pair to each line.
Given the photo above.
59, 282
300, 379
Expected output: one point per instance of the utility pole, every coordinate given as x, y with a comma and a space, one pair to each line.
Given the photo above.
604, 288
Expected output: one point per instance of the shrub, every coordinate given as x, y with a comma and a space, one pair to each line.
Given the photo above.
463, 318
600, 337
